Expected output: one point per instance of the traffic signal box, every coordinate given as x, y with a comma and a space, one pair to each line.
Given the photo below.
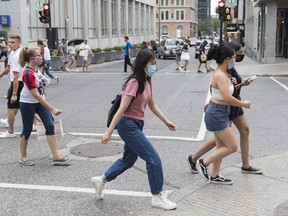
224, 12
45, 13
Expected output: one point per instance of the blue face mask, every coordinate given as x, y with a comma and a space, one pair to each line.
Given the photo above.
151, 70
232, 65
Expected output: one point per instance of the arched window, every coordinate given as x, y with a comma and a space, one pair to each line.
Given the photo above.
180, 31
164, 30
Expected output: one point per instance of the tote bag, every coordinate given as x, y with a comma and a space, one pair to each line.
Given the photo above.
185, 56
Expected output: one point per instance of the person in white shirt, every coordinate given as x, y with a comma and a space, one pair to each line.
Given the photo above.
47, 60
15, 72
72, 54
84, 52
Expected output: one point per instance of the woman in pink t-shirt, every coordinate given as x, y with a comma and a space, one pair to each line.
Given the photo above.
137, 94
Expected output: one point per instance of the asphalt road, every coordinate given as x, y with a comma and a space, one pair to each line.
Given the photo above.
85, 100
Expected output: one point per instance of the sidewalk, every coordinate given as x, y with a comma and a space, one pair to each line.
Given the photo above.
250, 195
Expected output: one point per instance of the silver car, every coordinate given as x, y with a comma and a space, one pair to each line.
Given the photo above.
166, 47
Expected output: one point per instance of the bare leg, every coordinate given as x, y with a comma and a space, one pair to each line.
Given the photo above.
241, 123
23, 148
51, 139
206, 147
11, 119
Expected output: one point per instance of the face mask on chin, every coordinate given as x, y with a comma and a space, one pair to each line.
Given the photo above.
151, 70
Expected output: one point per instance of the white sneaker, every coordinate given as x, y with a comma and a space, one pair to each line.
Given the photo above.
7, 135
99, 185
5, 122
161, 201
181, 69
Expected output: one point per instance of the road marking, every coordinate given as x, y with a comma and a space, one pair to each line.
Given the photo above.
74, 189
281, 84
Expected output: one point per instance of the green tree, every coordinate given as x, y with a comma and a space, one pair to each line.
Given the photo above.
208, 26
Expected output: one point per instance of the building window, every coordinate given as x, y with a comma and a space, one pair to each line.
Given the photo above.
180, 31
166, 15
179, 2
130, 17
164, 2
92, 19
164, 30
104, 17
179, 14
114, 17
122, 17
137, 18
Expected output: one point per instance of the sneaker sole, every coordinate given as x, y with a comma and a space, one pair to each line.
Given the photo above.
222, 183
160, 207
193, 171
252, 172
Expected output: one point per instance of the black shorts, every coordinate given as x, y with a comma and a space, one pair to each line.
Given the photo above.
15, 105
235, 112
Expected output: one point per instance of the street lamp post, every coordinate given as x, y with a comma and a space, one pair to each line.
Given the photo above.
159, 14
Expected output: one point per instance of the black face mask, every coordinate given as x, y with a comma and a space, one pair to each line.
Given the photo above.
239, 58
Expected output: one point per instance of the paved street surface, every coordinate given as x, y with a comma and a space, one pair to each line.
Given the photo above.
85, 100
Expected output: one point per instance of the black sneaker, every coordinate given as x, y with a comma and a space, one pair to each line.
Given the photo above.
203, 169
61, 162
191, 165
199, 71
251, 170
220, 180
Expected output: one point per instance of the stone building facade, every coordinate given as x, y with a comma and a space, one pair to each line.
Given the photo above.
103, 23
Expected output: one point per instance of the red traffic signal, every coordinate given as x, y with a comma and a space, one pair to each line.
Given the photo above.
45, 13
46, 7
221, 4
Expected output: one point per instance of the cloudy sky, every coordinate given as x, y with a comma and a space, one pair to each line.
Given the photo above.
213, 6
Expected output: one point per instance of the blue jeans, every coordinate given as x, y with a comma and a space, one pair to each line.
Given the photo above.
136, 144
47, 69
28, 111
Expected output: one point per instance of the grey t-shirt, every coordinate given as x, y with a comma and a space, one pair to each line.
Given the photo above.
63, 47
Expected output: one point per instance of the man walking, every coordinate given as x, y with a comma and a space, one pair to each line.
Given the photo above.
63, 54
15, 72
128, 53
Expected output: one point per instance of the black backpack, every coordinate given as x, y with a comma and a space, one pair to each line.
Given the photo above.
115, 106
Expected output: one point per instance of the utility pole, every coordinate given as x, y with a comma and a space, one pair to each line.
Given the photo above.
50, 29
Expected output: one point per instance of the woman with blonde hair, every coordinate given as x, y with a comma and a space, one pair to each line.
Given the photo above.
32, 101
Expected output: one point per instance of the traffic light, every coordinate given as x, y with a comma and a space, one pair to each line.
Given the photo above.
227, 14
221, 10
45, 13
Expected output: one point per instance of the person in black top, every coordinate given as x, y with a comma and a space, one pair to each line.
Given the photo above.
202, 60
237, 117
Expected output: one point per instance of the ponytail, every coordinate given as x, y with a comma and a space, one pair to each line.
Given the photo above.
25, 55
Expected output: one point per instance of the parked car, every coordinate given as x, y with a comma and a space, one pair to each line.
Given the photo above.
192, 42
197, 47
166, 47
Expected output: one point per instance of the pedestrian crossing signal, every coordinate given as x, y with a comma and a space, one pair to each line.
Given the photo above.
45, 13
227, 14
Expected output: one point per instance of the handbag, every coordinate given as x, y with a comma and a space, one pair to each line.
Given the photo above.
185, 56
203, 57
58, 128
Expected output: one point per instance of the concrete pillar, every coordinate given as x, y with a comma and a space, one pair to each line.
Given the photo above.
270, 32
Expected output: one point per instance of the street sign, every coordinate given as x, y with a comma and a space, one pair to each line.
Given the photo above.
39, 4
231, 3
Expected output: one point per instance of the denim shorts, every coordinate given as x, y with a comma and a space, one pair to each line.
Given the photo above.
217, 117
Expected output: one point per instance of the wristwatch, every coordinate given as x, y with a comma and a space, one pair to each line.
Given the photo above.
14, 94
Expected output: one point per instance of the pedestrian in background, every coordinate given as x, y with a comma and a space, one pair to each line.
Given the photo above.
63, 54
185, 57
46, 60
85, 50
72, 54
127, 54
15, 74
32, 101
217, 114
236, 116
203, 57
178, 52
137, 94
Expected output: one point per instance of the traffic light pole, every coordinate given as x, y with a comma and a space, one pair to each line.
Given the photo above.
221, 31
50, 29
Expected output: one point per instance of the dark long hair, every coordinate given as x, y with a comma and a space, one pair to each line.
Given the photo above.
220, 53
142, 59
